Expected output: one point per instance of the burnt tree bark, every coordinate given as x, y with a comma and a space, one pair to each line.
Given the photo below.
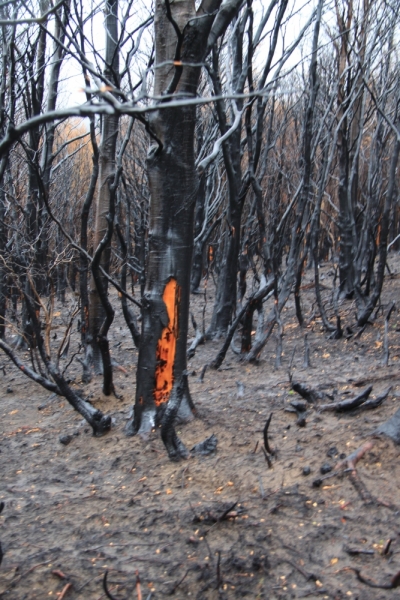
98, 312
182, 35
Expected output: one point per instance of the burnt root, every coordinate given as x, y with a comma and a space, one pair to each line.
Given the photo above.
101, 424
174, 446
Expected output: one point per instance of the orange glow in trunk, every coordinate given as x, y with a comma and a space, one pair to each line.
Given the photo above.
166, 347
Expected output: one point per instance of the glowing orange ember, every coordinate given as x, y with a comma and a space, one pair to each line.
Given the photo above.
166, 347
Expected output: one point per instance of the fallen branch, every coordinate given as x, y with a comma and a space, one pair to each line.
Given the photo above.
350, 464
40, 379
265, 433
375, 402
393, 584
350, 461
361, 331
345, 405
357, 551
309, 394
64, 591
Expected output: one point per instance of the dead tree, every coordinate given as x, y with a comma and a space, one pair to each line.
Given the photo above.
181, 40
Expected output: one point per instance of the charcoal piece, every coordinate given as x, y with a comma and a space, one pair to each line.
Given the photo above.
65, 439
332, 452
207, 446
326, 468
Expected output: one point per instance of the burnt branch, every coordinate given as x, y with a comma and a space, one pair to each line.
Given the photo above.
265, 435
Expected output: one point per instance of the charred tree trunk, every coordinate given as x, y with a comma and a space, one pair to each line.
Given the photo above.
225, 295
129, 315
180, 37
83, 261
384, 233
298, 226
3, 269
197, 267
162, 353
109, 134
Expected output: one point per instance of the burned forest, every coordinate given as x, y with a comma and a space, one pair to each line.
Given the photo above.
199, 299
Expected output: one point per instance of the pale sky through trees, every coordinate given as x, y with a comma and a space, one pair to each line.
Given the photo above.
71, 92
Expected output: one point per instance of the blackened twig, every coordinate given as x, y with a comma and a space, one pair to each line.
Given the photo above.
173, 590
219, 578
266, 444
105, 588
227, 511
306, 363
267, 458
203, 372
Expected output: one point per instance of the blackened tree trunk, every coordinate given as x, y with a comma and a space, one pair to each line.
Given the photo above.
238, 186
109, 135
3, 206
33, 252
182, 38
3, 270
225, 295
197, 267
384, 234
298, 230
83, 260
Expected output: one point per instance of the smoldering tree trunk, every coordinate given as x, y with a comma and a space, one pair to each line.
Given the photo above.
173, 186
165, 313
107, 152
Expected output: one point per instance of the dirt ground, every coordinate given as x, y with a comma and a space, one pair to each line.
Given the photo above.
118, 505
